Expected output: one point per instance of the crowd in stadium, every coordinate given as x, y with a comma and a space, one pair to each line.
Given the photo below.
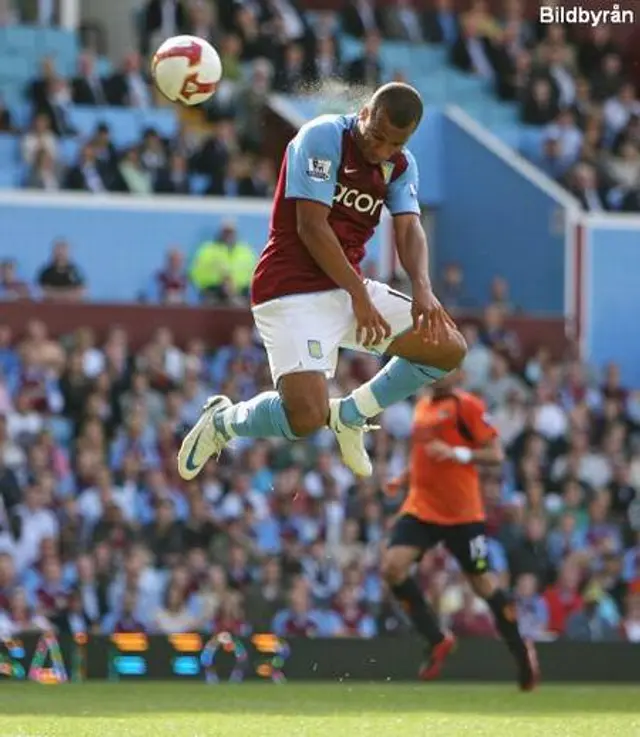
98, 533
575, 87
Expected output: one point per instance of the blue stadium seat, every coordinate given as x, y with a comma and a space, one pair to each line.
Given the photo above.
164, 120
84, 119
104, 67
531, 142
199, 183
11, 176
9, 149
509, 134
14, 68
61, 45
124, 123
69, 150
21, 39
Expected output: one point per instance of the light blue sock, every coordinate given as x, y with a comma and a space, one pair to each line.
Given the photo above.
398, 380
260, 417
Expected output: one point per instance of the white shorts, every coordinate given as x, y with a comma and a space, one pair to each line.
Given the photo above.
303, 332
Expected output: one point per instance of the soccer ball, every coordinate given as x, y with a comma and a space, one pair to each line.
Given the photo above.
186, 69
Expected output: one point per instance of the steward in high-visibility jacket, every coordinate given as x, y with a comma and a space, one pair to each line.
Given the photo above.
224, 263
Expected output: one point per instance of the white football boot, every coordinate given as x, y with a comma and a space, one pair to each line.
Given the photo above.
203, 440
351, 441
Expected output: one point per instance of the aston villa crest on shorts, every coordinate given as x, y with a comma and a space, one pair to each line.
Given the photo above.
315, 349
387, 170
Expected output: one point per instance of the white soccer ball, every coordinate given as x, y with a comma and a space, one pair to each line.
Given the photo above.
186, 69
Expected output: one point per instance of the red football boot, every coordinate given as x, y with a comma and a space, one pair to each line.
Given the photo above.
437, 657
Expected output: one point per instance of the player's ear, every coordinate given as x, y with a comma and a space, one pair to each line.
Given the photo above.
364, 114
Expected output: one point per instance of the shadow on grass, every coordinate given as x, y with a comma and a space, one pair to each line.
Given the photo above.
92, 700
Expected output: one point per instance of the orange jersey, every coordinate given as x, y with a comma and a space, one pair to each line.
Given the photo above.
447, 492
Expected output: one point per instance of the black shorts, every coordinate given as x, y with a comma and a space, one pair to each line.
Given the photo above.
467, 542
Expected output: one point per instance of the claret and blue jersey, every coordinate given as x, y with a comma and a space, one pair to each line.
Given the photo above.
323, 164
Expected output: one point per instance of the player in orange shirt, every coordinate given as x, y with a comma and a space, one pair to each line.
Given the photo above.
452, 435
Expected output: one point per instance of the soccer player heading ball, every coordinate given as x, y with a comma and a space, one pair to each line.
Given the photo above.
309, 297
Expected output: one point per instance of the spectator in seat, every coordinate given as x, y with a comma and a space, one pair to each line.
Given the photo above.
39, 138
620, 109
174, 616
133, 177
472, 51
125, 620
590, 624
326, 65
533, 614
540, 105
441, 23
251, 102
607, 82
174, 179
162, 19
451, 292
73, 619
584, 108
291, 72
129, 87
623, 170
87, 88
20, 618
230, 616
44, 174
563, 598
567, 133
401, 21
153, 153
88, 175
259, 181
584, 184
201, 22
473, 619
223, 268
61, 279
352, 615
267, 596
552, 162
300, 619
366, 71
11, 286
592, 51
360, 17
105, 151
171, 284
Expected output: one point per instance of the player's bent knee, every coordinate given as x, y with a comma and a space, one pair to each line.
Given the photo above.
454, 350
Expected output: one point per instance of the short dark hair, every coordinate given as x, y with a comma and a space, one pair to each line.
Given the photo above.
401, 103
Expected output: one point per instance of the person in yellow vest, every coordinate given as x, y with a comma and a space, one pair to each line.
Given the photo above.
222, 269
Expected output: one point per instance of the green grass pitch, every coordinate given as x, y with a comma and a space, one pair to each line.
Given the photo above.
308, 710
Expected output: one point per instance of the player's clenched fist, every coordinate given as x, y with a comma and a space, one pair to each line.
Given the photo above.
371, 327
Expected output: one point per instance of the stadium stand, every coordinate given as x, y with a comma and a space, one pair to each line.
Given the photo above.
94, 519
